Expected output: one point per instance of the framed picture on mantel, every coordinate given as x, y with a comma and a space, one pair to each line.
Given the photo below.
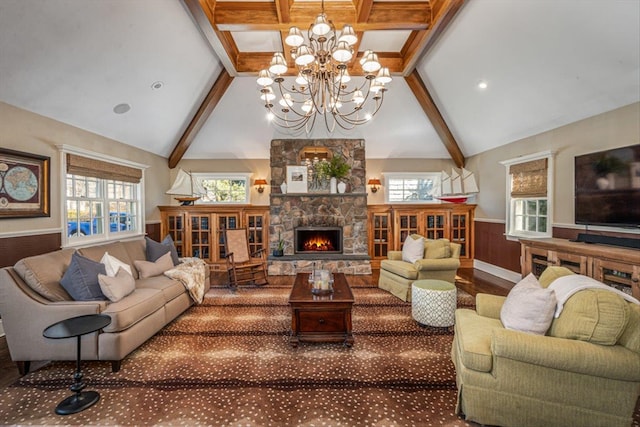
296, 179
24, 184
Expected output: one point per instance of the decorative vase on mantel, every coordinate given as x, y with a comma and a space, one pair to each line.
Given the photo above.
333, 183
342, 187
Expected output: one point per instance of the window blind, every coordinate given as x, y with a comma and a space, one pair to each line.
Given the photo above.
78, 165
529, 179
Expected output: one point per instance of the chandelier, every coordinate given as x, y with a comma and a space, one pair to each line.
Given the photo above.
322, 87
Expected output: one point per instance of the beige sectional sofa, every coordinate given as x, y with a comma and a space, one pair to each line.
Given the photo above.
512, 378
31, 298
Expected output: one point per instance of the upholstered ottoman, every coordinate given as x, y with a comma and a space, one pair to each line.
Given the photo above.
433, 302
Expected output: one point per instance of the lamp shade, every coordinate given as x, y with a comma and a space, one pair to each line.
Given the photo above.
260, 182
374, 181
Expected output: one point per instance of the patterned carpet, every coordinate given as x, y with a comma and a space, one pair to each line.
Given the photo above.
227, 362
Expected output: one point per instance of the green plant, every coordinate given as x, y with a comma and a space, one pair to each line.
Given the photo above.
280, 245
337, 167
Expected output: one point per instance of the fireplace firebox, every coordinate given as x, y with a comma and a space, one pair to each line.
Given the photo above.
326, 240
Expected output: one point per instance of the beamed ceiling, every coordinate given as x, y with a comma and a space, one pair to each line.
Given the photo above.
547, 64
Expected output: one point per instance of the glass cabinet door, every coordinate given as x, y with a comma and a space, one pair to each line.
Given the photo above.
407, 224
175, 228
381, 231
255, 224
435, 225
225, 221
459, 230
201, 236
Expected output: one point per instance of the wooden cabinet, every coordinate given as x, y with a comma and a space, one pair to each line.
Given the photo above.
614, 266
395, 222
198, 230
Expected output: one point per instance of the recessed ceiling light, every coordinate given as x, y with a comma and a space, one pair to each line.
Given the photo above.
121, 108
482, 84
157, 85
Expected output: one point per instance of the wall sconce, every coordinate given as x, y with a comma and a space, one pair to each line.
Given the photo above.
374, 183
260, 183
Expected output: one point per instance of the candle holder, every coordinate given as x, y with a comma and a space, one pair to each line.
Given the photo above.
321, 282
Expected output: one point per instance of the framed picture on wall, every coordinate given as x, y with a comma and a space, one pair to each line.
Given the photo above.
296, 179
24, 184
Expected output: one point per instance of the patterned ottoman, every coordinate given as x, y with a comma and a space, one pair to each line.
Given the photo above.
433, 302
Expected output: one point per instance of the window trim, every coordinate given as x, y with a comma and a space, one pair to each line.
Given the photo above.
246, 176
436, 176
65, 149
510, 233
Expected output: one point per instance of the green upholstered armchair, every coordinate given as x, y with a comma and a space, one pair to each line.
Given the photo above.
512, 378
440, 262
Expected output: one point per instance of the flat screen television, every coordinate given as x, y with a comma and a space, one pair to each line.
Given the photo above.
607, 187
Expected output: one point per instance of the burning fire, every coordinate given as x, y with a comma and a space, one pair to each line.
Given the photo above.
318, 243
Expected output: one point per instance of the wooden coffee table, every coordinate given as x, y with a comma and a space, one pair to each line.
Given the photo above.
321, 318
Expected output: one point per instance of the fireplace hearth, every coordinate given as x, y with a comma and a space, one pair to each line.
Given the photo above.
325, 240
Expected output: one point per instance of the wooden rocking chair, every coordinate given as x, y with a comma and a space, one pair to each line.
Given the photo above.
243, 267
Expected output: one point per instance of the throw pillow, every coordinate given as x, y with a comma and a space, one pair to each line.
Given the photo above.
81, 279
413, 249
118, 286
437, 249
594, 315
150, 269
113, 264
155, 250
528, 307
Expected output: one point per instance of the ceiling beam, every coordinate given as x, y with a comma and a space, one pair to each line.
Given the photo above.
431, 110
210, 102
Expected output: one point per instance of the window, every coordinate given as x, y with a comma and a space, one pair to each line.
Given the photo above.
102, 200
529, 183
224, 188
412, 187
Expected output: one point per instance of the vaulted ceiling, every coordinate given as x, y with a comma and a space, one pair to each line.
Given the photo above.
187, 69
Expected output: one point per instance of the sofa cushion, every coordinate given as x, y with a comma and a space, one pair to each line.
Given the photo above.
112, 265
551, 273
436, 249
137, 251
401, 268
117, 287
413, 248
594, 315
81, 279
133, 308
42, 273
170, 288
473, 335
528, 307
150, 269
155, 249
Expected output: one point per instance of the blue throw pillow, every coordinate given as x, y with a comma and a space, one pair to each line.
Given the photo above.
81, 279
155, 250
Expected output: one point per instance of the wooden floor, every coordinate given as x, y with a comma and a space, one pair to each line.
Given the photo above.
470, 280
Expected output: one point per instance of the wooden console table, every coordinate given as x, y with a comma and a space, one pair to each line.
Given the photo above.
614, 266
321, 318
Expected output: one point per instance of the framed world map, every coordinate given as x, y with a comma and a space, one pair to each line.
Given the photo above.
24, 184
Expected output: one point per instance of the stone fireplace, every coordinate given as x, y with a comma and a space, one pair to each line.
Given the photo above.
296, 215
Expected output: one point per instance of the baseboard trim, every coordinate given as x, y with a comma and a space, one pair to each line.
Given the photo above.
500, 272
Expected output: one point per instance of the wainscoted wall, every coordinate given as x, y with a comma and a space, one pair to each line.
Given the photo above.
13, 249
492, 247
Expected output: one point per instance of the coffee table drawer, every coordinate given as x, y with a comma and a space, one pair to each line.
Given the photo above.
322, 321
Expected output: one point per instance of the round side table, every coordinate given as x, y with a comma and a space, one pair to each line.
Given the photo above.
77, 327
433, 302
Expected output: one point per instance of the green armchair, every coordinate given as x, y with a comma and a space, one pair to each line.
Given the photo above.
441, 261
512, 378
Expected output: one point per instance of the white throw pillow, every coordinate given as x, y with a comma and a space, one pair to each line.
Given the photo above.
413, 249
113, 264
529, 307
117, 287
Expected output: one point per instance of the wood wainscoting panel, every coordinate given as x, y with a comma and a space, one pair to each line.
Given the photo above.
153, 231
13, 249
492, 247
